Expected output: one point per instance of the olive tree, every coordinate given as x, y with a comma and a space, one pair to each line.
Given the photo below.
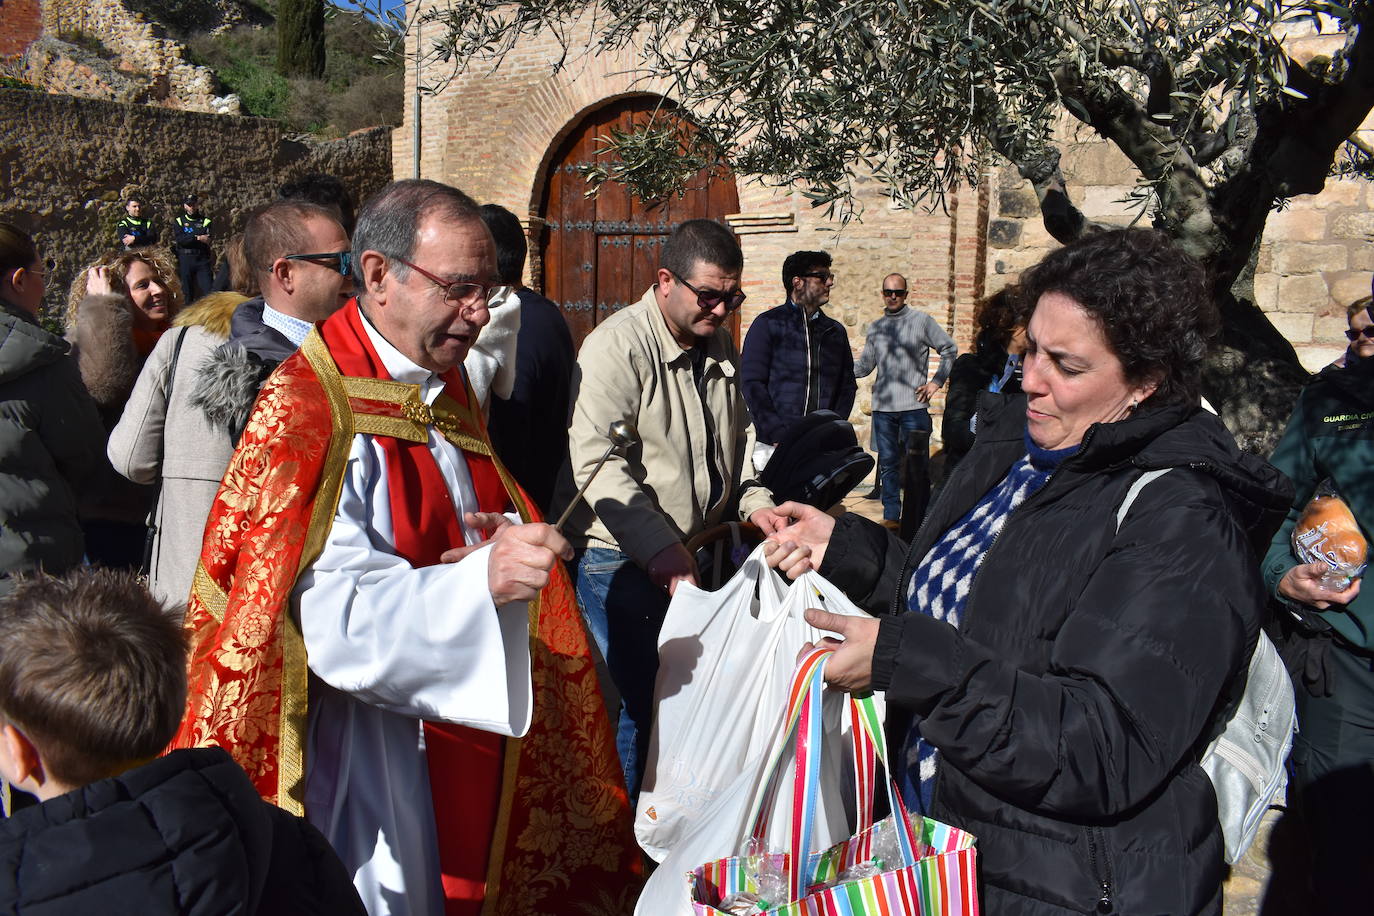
1220, 123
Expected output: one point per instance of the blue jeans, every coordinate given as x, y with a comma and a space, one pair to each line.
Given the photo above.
624, 611
890, 428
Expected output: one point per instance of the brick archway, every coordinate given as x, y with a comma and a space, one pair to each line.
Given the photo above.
599, 254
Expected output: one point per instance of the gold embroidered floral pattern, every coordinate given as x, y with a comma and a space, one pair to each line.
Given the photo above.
574, 850
252, 538
564, 844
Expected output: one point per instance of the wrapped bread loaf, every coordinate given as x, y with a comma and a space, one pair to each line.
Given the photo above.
1328, 533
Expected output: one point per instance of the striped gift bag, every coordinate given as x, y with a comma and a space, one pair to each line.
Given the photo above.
937, 868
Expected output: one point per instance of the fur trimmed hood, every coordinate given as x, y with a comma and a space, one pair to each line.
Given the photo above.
212, 312
227, 386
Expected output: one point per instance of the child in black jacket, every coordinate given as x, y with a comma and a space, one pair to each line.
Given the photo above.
92, 687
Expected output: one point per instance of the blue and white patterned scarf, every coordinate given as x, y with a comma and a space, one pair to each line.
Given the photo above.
941, 583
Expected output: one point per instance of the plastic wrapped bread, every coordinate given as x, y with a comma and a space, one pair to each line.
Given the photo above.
1328, 533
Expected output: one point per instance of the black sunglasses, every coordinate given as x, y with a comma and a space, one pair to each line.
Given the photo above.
343, 260
1353, 335
821, 275
710, 298
899, 293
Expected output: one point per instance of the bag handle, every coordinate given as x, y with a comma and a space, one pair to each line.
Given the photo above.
865, 759
1137, 485
150, 535
803, 722
767, 585
868, 729
865, 772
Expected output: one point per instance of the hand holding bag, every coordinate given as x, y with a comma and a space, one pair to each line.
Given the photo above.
936, 868
726, 660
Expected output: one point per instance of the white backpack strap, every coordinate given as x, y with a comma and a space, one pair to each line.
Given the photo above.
1140, 483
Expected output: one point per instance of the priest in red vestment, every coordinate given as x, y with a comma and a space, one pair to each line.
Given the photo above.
382, 634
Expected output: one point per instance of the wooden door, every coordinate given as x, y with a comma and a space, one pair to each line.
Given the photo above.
601, 253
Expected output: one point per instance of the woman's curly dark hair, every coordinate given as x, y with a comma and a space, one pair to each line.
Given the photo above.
996, 317
1150, 298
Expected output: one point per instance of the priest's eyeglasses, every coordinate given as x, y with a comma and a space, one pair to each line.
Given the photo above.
708, 299
342, 260
463, 294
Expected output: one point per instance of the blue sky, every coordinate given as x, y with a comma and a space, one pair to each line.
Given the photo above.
396, 5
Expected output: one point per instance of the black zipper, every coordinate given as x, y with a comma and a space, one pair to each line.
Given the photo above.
1103, 875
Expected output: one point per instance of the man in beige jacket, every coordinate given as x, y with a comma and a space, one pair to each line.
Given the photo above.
669, 366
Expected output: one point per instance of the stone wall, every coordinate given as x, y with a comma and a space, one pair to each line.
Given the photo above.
1315, 257
64, 68
66, 165
493, 133
141, 48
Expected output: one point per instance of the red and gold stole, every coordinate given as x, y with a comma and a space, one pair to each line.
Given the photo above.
464, 763
545, 826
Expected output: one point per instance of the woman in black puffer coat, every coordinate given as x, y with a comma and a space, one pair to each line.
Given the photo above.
994, 365
1051, 678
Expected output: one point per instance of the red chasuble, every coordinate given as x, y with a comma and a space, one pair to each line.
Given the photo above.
538, 825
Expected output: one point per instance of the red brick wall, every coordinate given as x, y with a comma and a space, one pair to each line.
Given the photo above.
21, 21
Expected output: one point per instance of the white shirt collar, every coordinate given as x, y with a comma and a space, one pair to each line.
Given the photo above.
292, 328
400, 367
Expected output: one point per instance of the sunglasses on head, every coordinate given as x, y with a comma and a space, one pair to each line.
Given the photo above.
1354, 335
899, 293
708, 299
343, 260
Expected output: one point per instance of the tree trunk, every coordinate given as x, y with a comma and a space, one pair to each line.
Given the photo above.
300, 38
1252, 376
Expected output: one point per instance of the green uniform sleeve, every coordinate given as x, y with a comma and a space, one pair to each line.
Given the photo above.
1294, 457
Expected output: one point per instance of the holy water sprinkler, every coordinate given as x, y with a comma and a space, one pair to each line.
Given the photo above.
622, 434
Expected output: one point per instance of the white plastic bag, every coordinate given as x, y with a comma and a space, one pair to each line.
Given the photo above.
725, 662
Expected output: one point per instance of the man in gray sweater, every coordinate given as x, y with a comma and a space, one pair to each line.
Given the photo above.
898, 346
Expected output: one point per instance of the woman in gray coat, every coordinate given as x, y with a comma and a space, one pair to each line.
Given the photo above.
161, 434
49, 428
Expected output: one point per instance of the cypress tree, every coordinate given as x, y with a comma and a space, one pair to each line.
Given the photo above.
300, 38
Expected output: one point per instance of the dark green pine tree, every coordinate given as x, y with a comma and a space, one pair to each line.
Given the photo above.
300, 38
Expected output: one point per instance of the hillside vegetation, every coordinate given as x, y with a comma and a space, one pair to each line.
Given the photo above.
356, 91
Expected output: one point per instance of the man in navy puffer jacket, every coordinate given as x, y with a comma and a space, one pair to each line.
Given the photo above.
796, 359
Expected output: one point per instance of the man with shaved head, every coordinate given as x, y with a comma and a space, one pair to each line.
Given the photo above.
898, 346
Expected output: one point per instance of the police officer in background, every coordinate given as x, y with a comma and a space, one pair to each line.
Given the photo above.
191, 238
134, 230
